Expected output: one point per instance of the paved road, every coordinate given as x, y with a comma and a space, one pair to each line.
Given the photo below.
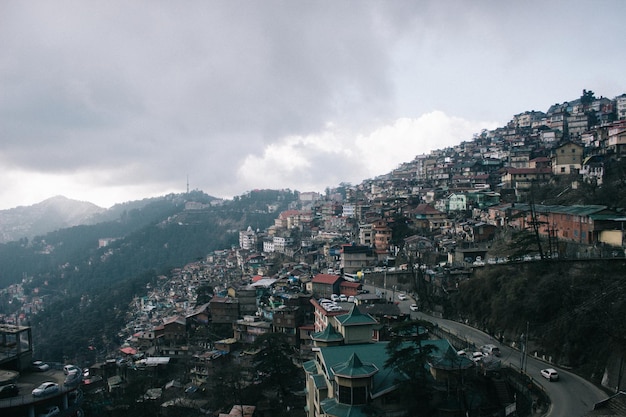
572, 396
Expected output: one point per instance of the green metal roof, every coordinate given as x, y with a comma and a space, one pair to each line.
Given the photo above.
333, 408
355, 318
355, 368
309, 366
374, 353
329, 334
578, 210
319, 381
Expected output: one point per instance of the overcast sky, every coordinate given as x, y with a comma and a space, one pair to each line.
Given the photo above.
111, 101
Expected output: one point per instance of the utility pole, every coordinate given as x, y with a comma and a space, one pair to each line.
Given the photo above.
524, 357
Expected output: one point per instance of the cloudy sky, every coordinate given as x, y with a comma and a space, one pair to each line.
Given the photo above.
110, 101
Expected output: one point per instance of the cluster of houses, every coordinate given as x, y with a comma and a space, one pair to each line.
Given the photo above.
465, 192
453, 200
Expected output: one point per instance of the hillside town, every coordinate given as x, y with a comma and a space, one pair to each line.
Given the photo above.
304, 276
338, 270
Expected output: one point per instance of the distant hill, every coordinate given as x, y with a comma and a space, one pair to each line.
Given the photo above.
52, 214
93, 285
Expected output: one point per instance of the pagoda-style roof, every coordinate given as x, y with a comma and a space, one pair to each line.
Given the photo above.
329, 334
355, 318
354, 368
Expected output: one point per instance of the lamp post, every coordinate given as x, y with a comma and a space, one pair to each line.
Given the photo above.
385, 281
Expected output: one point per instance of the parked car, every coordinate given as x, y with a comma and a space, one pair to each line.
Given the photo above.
490, 350
550, 374
47, 388
413, 307
50, 411
73, 378
9, 390
477, 356
40, 366
68, 369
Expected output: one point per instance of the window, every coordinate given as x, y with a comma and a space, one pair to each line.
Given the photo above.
351, 395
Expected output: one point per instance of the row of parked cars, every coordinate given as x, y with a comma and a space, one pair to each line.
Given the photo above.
73, 376
485, 350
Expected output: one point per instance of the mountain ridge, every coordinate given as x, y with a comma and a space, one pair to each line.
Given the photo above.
54, 213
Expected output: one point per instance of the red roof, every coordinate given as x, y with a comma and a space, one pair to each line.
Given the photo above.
289, 213
426, 209
325, 279
350, 284
128, 350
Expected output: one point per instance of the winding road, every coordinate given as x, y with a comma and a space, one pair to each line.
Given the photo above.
571, 396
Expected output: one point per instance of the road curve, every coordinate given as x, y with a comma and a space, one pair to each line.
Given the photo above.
571, 396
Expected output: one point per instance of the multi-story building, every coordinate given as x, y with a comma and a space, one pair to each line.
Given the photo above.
250, 328
524, 178
620, 104
355, 257
281, 243
567, 159
350, 376
287, 320
616, 141
247, 239
224, 310
366, 234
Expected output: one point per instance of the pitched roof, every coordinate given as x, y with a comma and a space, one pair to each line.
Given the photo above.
355, 368
355, 318
426, 209
384, 380
576, 210
329, 334
325, 279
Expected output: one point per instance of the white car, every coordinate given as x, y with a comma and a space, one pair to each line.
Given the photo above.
477, 356
40, 366
70, 369
413, 307
46, 388
402, 297
550, 374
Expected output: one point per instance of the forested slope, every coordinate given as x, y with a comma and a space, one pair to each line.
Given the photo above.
574, 310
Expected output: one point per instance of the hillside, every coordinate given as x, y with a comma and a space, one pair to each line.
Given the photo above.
573, 311
49, 215
87, 288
